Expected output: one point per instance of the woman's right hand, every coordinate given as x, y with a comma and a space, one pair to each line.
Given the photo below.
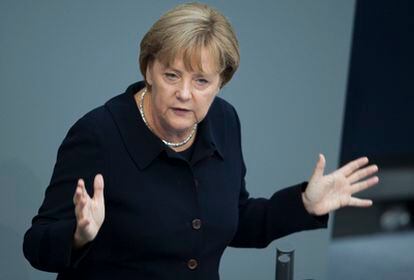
90, 212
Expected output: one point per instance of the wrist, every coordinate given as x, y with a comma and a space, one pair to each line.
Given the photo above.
307, 204
78, 240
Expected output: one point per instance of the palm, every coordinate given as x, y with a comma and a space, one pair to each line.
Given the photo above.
90, 212
329, 192
94, 214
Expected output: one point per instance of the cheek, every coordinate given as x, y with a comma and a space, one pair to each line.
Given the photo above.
203, 107
161, 98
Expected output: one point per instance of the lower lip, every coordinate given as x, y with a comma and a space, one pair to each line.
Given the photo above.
181, 113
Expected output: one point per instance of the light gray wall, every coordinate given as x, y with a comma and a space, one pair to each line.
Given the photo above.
59, 59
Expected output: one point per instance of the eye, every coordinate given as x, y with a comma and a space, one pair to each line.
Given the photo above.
201, 81
171, 76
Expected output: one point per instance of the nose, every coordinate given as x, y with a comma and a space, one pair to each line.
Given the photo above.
184, 92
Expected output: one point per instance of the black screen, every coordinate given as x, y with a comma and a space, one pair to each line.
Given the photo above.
379, 118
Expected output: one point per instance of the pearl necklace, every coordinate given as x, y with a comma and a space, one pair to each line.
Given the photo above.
170, 144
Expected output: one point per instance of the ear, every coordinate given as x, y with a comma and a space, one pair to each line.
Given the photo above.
220, 83
220, 86
148, 73
218, 91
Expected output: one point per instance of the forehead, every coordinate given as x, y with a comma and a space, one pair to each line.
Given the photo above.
203, 61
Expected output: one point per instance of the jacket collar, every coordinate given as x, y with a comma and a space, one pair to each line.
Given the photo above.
141, 143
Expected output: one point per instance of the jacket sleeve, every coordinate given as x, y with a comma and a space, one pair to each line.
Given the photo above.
262, 220
48, 242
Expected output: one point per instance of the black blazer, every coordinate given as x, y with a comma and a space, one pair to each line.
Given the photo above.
166, 217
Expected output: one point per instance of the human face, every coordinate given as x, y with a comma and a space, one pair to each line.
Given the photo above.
180, 98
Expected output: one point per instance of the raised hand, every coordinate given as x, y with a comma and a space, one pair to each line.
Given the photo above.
326, 193
90, 212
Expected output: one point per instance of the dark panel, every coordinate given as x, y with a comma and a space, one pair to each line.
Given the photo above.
379, 115
379, 118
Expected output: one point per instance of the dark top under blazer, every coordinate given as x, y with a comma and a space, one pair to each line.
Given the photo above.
166, 218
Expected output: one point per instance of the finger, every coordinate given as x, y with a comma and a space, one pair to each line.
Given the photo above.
357, 187
362, 173
98, 186
80, 211
78, 191
320, 167
81, 185
80, 206
358, 202
80, 199
350, 167
84, 191
83, 223
77, 195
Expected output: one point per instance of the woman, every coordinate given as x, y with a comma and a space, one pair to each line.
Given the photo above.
168, 152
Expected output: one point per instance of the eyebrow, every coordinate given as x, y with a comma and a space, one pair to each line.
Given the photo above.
195, 73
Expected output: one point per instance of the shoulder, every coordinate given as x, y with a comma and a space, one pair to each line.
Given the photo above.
224, 122
100, 117
96, 123
223, 109
90, 121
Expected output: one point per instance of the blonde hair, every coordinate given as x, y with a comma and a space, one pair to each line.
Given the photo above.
185, 30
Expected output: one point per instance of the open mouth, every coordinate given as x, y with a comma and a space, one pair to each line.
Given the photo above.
181, 111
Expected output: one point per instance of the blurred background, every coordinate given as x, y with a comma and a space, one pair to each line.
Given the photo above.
315, 76
376, 243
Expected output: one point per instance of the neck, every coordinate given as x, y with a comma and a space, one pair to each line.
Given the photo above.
165, 134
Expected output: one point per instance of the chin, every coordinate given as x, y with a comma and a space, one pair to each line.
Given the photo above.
181, 123
182, 126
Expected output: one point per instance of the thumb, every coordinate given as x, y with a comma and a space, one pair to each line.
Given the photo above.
320, 167
98, 187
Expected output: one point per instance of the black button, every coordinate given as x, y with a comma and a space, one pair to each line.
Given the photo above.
196, 223
192, 264
196, 182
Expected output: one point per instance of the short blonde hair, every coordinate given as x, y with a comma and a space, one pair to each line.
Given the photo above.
185, 30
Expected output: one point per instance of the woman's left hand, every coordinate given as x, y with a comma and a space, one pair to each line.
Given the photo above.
326, 193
